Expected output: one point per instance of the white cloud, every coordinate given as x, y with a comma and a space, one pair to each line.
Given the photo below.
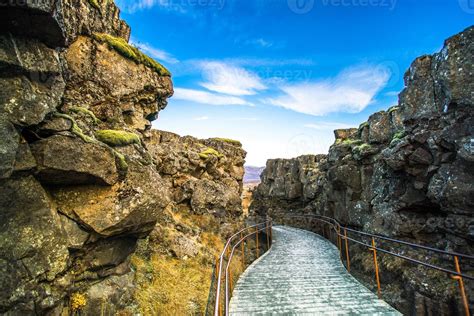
156, 53
229, 79
201, 118
327, 126
351, 91
205, 97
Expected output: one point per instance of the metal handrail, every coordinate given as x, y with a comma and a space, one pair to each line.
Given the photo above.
337, 227
254, 229
228, 266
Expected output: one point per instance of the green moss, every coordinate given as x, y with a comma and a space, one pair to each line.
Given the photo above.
120, 161
393, 109
398, 135
210, 151
76, 130
363, 125
128, 51
117, 138
351, 141
362, 147
94, 4
228, 140
81, 110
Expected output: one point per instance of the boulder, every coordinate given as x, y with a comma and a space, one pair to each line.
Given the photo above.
32, 84
130, 207
63, 160
8, 147
33, 246
58, 23
116, 89
379, 127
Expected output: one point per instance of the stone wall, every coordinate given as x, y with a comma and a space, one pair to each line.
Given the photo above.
407, 173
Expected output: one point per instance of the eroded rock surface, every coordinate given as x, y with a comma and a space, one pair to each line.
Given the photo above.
84, 182
406, 173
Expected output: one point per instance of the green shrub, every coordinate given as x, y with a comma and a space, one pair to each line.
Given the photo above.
210, 151
117, 138
128, 51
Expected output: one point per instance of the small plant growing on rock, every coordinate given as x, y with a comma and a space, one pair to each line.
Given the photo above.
78, 302
210, 151
128, 51
117, 138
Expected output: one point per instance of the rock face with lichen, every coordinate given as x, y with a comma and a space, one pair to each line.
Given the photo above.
406, 173
83, 178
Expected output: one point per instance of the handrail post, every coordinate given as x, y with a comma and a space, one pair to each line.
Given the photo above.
376, 265
461, 286
219, 311
348, 259
271, 232
339, 242
256, 229
243, 249
268, 237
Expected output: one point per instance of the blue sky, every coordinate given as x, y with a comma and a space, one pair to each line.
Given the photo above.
281, 75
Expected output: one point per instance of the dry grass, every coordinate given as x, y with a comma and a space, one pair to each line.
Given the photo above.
177, 287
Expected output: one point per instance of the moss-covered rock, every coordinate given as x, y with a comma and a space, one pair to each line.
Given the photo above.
228, 140
128, 51
117, 138
210, 152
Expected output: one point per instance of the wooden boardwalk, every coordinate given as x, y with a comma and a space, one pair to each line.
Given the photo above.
302, 274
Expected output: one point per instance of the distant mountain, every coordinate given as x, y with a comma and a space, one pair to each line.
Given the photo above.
252, 174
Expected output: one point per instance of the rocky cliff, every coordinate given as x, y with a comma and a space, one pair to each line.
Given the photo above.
93, 203
407, 172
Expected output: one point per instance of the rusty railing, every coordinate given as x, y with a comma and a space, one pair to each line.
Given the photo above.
340, 233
